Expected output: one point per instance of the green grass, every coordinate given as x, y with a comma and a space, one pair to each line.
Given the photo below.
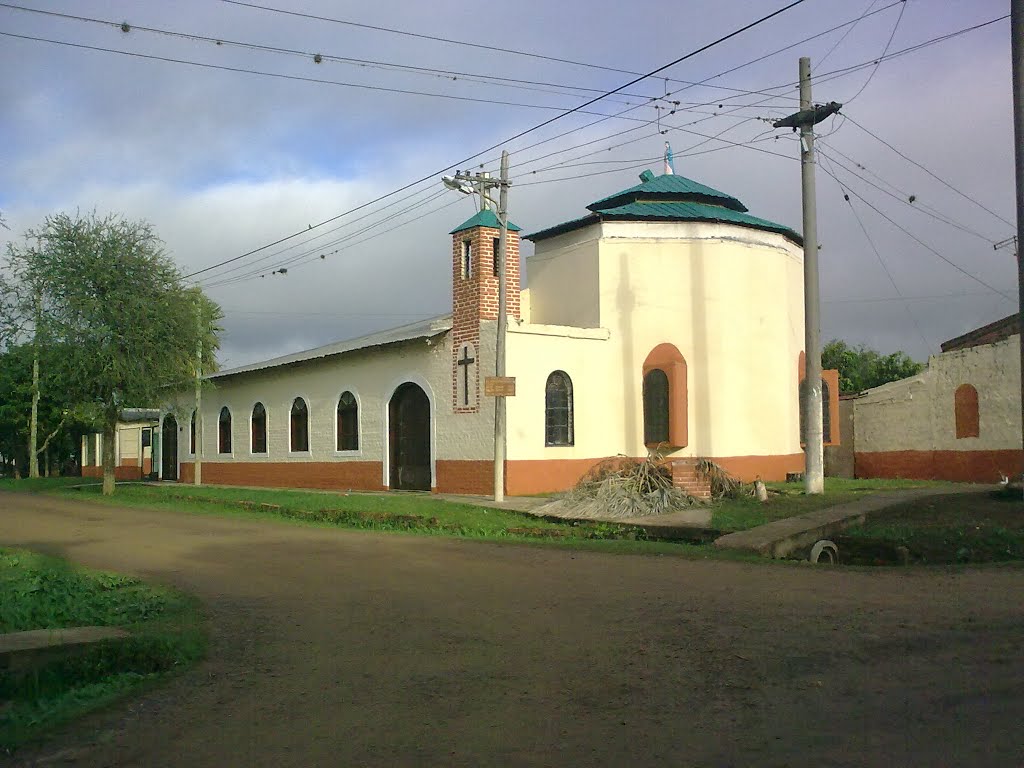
790, 500
36, 592
974, 528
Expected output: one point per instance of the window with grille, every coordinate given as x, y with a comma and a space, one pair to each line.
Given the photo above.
558, 426
224, 431
656, 407
348, 422
259, 428
299, 427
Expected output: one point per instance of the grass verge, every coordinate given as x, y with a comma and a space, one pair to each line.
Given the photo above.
970, 528
36, 592
788, 500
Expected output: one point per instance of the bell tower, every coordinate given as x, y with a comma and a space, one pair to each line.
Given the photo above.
475, 298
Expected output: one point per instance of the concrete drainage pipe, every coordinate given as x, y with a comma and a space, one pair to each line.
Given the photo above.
824, 552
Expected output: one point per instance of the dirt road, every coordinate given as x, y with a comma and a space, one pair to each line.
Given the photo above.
335, 648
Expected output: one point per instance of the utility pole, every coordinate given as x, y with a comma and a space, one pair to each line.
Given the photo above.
1017, 52
197, 475
499, 349
33, 430
808, 116
479, 184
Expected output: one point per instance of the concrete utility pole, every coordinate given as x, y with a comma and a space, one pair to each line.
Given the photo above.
197, 465
1017, 51
808, 116
33, 436
499, 350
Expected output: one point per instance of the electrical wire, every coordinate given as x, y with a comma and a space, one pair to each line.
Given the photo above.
905, 200
885, 50
518, 135
931, 173
925, 245
881, 261
837, 43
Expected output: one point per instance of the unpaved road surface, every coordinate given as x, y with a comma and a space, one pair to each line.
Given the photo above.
336, 648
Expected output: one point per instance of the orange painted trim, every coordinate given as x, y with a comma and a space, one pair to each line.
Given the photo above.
750, 468
667, 358
339, 475
528, 477
961, 466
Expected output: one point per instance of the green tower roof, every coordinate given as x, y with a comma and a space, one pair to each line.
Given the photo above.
484, 218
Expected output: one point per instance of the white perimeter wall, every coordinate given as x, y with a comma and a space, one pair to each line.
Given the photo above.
917, 414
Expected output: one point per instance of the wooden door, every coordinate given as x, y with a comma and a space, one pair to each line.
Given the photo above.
169, 448
409, 433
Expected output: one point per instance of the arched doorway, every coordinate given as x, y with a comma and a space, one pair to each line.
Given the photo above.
409, 438
169, 448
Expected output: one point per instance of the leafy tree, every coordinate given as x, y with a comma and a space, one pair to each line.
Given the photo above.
116, 307
861, 368
60, 422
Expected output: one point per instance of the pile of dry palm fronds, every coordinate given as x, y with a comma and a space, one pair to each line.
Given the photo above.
622, 487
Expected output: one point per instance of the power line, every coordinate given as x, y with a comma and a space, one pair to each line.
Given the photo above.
521, 133
881, 261
908, 200
923, 244
884, 51
837, 43
931, 173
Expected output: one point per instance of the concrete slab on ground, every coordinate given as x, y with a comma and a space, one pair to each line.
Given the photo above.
781, 538
23, 649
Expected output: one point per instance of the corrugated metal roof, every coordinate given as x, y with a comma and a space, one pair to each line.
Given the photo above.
684, 211
669, 197
672, 187
484, 218
424, 329
669, 211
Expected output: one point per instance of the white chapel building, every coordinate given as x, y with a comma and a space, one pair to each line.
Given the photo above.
666, 317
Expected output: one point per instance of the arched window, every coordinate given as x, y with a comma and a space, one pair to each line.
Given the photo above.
192, 435
258, 426
348, 422
665, 400
224, 431
656, 407
299, 427
558, 427
965, 411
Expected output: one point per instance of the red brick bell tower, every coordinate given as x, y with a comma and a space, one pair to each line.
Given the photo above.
475, 298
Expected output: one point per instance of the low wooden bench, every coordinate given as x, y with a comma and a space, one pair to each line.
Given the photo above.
20, 651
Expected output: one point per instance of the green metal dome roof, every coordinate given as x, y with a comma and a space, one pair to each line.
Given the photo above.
669, 198
669, 187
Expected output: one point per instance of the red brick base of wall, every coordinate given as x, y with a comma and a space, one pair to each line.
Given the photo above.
122, 473
328, 475
522, 478
963, 466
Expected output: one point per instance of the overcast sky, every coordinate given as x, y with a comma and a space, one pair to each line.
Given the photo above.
223, 162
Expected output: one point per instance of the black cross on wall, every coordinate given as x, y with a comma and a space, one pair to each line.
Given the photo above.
465, 361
